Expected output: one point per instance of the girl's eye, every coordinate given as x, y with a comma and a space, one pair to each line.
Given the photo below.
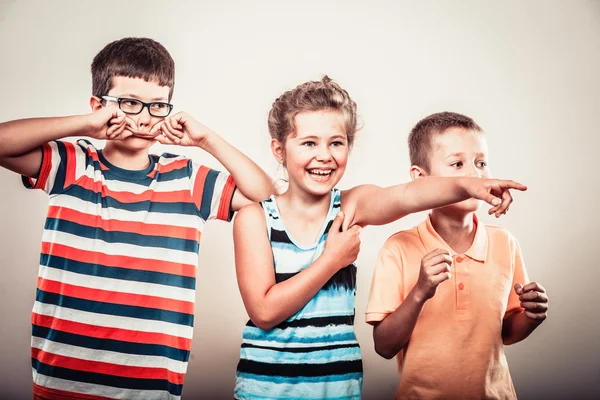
481, 164
336, 144
457, 164
309, 144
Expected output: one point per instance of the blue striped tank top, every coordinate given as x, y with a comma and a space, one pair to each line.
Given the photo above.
314, 354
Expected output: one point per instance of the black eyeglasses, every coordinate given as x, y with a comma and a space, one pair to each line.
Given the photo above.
134, 106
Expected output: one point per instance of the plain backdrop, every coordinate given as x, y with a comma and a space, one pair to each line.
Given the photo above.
526, 71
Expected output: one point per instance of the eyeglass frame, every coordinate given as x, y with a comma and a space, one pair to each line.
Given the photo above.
144, 105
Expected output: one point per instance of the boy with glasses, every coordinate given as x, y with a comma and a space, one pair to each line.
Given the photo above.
114, 309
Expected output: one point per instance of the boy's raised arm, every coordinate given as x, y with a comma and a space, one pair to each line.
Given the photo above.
253, 183
21, 139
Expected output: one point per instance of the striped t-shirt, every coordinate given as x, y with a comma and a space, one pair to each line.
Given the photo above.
314, 354
114, 310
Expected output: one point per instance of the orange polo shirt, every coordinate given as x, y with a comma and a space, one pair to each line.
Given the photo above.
456, 348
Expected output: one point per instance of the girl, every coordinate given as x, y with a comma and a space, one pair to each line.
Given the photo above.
295, 252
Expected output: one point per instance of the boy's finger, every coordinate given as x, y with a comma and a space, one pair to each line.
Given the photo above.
534, 296
536, 316
518, 288
172, 123
116, 132
439, 278
440, 259
169, 133
534, 306
132, 126
163, 139
434, 253
493, 210
506, 200
440, 268
156, 129
534, 286
488, 198
507, 184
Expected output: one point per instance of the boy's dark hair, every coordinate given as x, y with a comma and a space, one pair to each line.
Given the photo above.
420, 138
133, 58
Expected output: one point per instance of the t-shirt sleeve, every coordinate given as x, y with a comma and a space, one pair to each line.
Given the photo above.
519, 276
63, 163
387, 285
212, 192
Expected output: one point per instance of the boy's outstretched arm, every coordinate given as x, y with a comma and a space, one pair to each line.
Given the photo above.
373, 205
393, 333
21, 140
519, 325
253, 183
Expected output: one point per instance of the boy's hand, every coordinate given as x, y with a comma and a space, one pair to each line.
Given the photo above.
342, 247
533, 299
493, 191
435, 269
181, 129
110, 123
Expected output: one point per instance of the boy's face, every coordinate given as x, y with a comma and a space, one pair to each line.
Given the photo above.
460, 152
136, 88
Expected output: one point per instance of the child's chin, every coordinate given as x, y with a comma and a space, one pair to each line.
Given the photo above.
468, 206
136, 143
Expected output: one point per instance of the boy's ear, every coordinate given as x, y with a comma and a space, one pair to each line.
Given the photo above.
417, 172
95, 103
278, 150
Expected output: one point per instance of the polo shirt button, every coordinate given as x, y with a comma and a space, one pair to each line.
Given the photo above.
461, 286
459, 259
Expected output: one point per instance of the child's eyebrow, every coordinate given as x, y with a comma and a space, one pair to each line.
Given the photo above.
455, 155
133, 96
314, 137
459, 154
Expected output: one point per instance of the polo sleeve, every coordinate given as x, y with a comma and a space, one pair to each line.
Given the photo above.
387, 286
212, 192
519, 276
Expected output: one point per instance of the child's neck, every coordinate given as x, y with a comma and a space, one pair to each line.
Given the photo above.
304, 205
458, 231
133, 160
303, 214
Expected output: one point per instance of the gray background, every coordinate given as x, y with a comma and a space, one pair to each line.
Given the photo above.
527, 71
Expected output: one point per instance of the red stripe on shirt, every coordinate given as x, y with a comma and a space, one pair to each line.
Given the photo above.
107, 260
226, 197
45, 169
46, 393
102, 332
71, 163
107, 296
127, 371
173, 165
114, 225
199, 185
175, 196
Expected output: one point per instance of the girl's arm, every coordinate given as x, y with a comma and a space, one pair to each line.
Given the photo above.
269, 303
374, 205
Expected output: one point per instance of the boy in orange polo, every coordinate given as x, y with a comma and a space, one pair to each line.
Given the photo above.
449, 294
